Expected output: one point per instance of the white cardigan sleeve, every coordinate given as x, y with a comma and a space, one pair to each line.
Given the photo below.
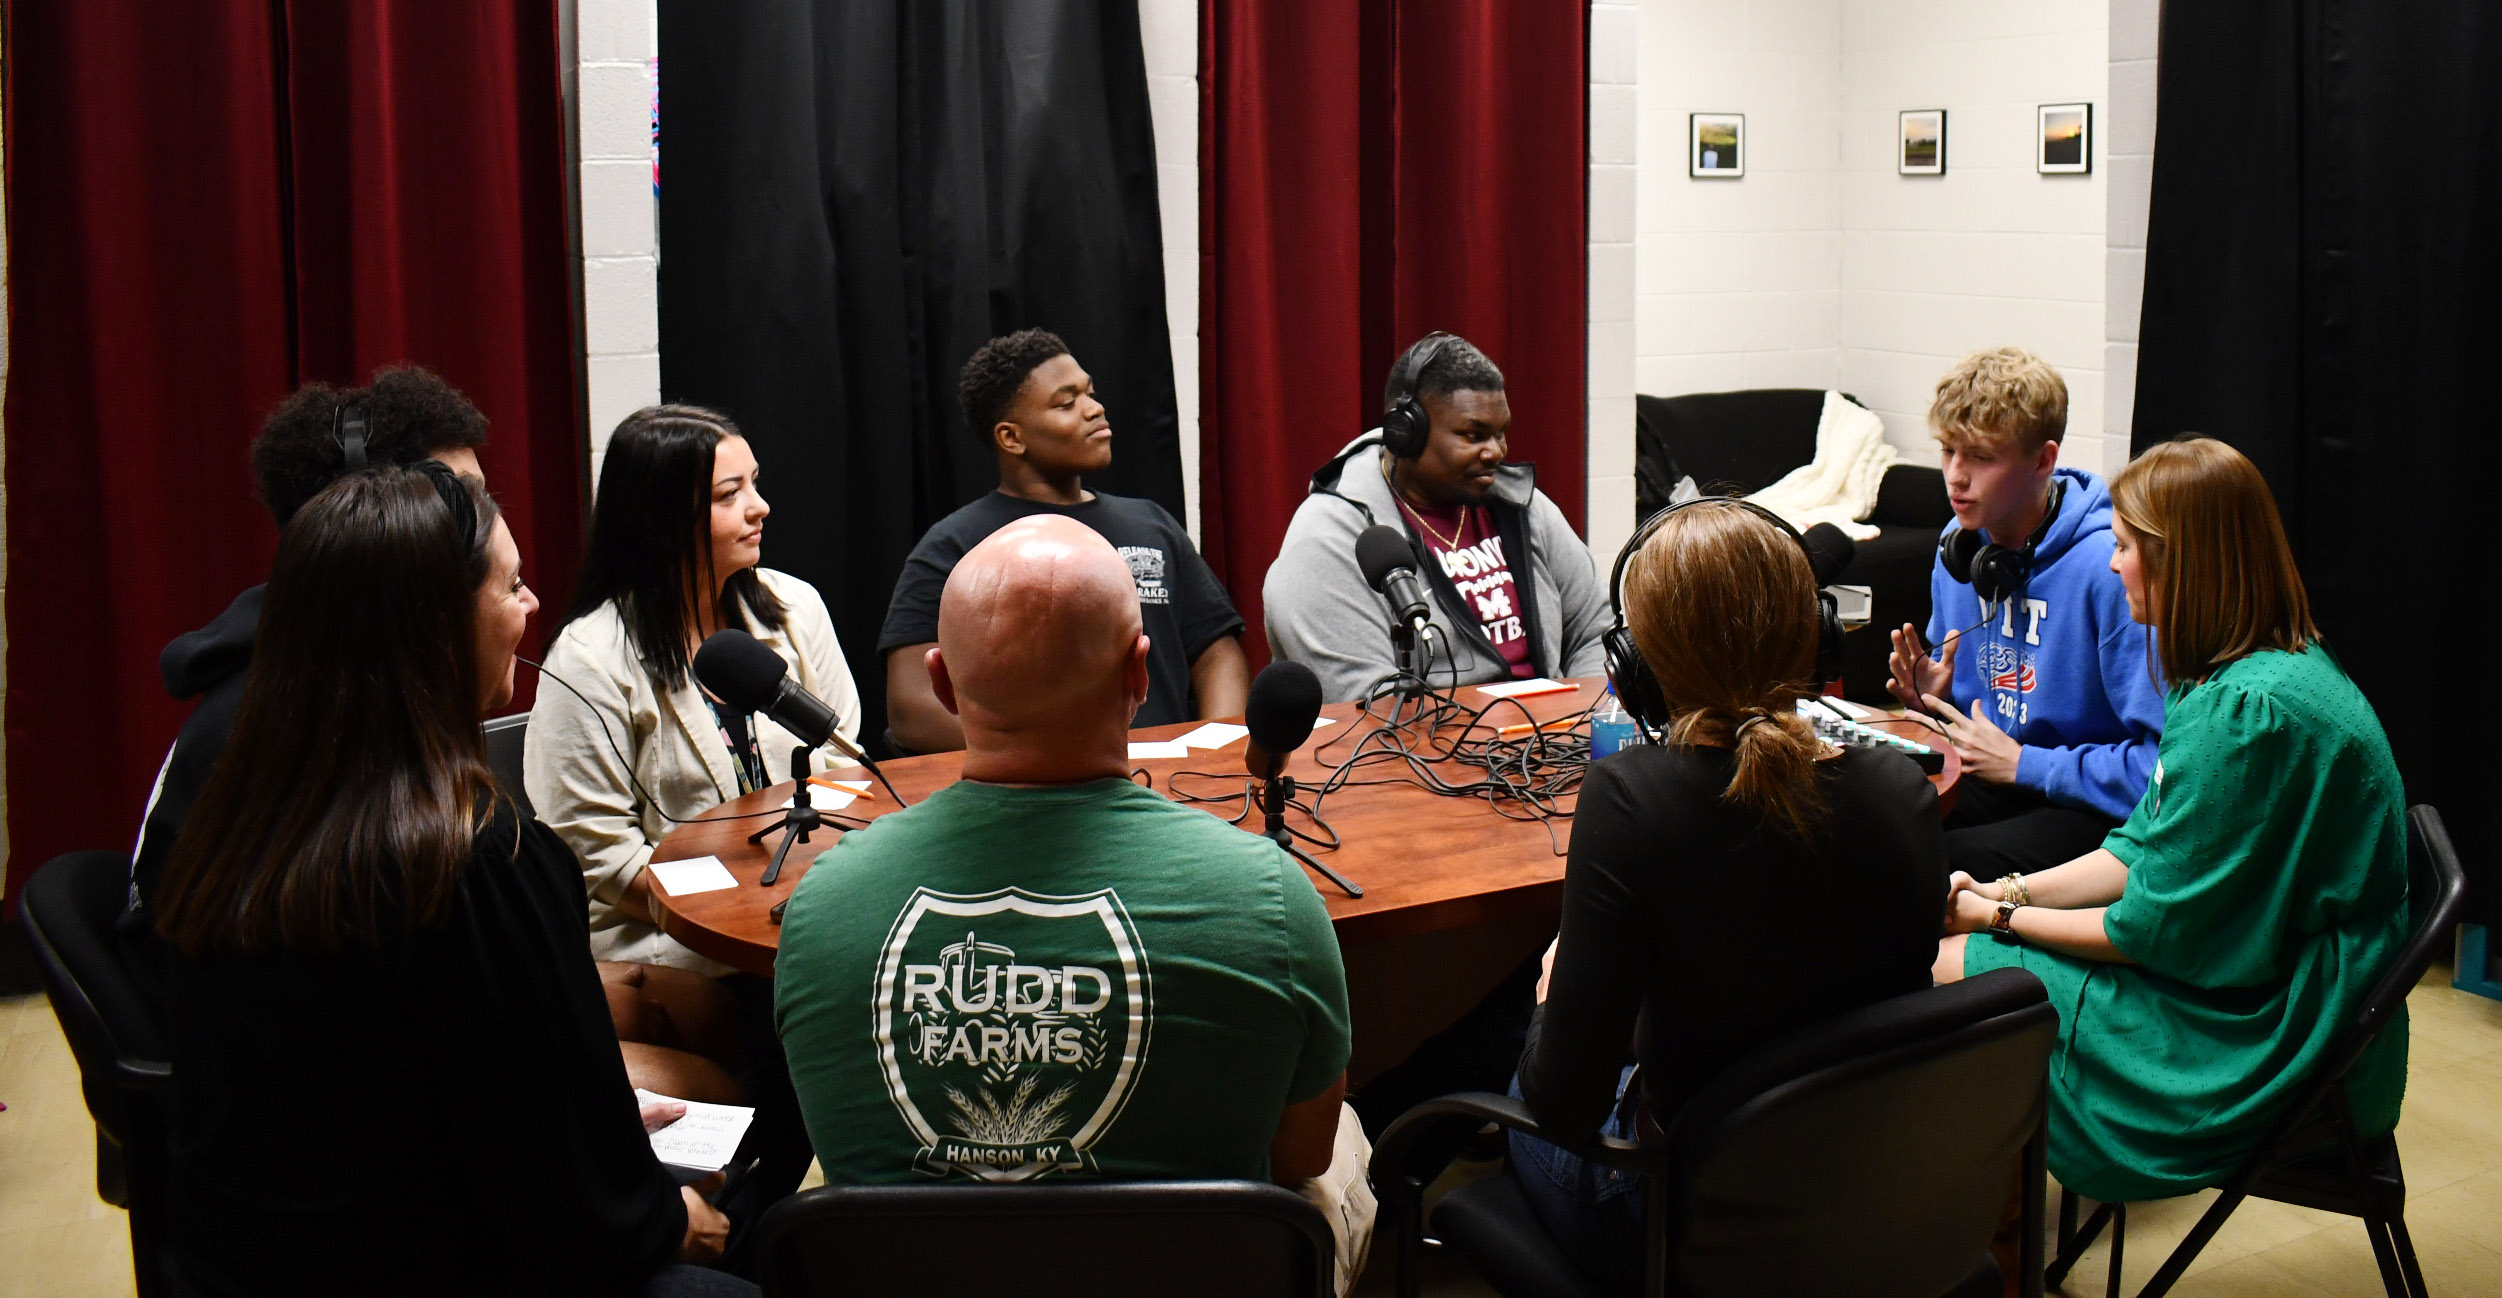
578, 783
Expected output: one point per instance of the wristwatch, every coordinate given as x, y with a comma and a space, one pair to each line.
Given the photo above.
2003, 924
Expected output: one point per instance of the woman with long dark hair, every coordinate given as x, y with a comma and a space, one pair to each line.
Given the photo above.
2205, 957
1675, 845
393, 1068
624, 739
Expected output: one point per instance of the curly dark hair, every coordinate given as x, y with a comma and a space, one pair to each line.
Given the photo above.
1458, 367
411, 412
989, 382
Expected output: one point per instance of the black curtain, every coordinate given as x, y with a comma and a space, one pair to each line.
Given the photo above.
856, 194
2322, 291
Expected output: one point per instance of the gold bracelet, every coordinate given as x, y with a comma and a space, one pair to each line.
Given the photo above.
2023, 892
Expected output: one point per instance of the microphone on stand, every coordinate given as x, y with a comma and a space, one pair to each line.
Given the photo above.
1829, 551
1285, 701
742, 672
1388, 562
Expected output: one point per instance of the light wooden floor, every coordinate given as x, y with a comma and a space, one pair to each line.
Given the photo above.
57, 1239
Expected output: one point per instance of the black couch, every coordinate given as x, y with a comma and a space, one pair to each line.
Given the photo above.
1738, 442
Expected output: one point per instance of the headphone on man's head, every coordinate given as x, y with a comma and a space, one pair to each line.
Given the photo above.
1405, 426
350, 429
1637, 687
1994, 571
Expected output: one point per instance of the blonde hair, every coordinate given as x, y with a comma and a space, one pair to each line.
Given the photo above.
1722, 605
2007, 395
2220, 578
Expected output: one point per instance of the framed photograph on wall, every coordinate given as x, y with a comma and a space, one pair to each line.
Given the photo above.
1719, 148
1923, 151
2067, 144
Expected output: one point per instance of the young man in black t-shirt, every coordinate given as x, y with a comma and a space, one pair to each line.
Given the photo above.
1036, 406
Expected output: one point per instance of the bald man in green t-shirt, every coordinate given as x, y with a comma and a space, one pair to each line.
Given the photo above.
1066, 975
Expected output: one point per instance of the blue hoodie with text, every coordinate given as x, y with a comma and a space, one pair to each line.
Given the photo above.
2061, 666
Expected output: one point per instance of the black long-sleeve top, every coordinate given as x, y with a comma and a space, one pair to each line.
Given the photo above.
448, 1114
1716, 931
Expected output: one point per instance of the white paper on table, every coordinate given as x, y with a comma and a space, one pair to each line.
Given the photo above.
1509, 689
1149, 749
706, 1139
1215, 734
1324, 721
692, 875
834, 799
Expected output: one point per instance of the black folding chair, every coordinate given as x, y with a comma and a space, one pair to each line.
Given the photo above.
2312, 1157
504, 736
116, 1035
1825, 1162
1205, 1239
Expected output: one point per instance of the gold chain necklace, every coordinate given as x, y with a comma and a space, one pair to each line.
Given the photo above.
1450, 542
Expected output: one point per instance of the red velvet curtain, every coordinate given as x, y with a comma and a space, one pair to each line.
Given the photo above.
210, 203
1371, 171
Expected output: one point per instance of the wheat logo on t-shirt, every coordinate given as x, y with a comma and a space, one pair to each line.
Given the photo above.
1011, 1028
1146, 568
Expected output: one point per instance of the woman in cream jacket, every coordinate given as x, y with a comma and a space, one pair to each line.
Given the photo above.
635, 743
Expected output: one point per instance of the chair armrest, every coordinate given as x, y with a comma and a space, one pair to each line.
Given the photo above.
1392, 1154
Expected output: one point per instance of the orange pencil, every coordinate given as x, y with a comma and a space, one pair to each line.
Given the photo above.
1525, 727
828, 782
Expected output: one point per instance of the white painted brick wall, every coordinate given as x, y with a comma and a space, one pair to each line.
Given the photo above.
1738, 282
616, 41
1616, 151
2135, 29
1992, 252
1169, 29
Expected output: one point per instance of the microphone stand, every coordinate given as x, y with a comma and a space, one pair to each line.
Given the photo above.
1273, 796
798, 821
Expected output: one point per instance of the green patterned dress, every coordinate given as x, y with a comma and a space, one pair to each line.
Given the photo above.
2266, 891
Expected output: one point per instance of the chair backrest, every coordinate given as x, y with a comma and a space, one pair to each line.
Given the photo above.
504, 736
1870, 1154
1745, 439
1206, 1239
2436, 895
117, 1037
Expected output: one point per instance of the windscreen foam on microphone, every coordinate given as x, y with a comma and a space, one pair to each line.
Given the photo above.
1381, 550
738, 669
1829, 551
1285, 701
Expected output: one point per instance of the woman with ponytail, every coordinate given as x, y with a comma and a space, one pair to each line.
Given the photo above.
1679, 848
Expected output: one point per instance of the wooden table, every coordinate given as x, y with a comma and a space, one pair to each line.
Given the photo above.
1455, 895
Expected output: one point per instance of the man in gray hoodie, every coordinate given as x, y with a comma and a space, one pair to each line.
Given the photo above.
1514, 594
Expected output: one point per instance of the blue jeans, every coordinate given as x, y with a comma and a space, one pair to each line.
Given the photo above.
1593, 1213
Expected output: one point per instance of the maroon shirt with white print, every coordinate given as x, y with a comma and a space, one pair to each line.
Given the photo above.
1473, 559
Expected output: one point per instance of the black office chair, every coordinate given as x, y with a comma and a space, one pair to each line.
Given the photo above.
1826, 1162
1206, 1239
117, 1036
2312, 1156
504, 736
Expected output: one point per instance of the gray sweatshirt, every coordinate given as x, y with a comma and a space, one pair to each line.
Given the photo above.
1321, 613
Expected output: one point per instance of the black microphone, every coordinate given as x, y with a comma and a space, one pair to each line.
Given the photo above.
741, 672
1389, 565
1829, 551
1285, 701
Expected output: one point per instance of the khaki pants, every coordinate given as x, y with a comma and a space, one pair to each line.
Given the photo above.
1345, 1197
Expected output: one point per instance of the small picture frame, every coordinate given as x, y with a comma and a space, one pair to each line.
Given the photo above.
1922, 149
1719, 146
2067, 140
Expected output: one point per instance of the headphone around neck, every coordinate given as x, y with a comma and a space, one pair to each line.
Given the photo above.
1637, 687
1405, 427
1993, 571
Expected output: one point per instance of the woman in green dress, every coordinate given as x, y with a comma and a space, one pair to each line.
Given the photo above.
2205, 956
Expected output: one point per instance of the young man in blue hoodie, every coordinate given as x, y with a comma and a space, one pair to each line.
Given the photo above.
2039, 678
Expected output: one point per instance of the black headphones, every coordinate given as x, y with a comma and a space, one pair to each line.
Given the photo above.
350, 429
1994, 571
1405, 426
1637, 687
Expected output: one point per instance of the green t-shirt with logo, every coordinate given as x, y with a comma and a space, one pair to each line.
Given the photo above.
1005, 984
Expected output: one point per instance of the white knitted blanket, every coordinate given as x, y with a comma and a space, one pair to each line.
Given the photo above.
1839, 486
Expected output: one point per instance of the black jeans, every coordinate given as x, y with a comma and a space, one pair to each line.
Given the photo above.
2000, 829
